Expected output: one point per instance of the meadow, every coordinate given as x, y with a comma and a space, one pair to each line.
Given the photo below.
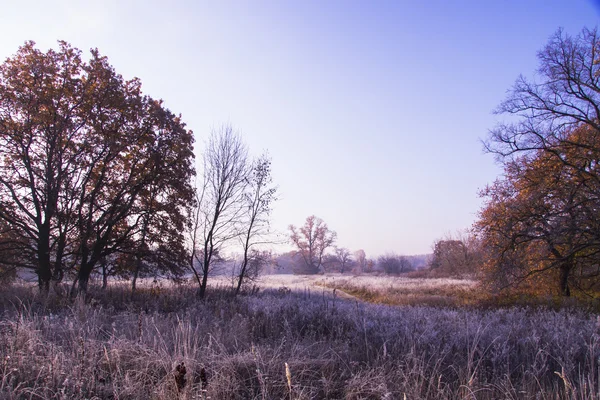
294, 338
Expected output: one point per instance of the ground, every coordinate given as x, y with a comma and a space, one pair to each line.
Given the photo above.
293, 339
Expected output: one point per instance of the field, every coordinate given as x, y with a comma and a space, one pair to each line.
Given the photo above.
296, 338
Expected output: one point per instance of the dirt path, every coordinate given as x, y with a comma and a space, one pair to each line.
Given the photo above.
309, 284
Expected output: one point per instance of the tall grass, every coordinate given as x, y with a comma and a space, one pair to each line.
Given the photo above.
165, 344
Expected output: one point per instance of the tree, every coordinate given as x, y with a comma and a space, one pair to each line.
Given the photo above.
567, 97
361, 260
456, 256
344, 258
393, 264
37, 122
159, 245
287, 263
133, 180
80, 147
221, 201
258, 199
539, 221
311, 240
256, 262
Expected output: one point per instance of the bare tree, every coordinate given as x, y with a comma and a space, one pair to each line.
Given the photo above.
566, 97
194, 225
257, 201
394, 264
221, 200
312, 239
344, 258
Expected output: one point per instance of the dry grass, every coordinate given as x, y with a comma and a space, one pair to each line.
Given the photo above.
444, 292
282, 344
395, 290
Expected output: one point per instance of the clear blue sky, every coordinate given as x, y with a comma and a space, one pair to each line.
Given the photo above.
372, 111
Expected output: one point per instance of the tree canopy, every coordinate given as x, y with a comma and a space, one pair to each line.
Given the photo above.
90, 166
540, 221
312, 240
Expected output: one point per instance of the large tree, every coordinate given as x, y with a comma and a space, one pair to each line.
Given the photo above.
344, 258
312, 240
540, 220
81, 147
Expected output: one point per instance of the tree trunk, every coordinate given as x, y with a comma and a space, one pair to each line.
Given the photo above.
208, 252
83, 276
565, 269
83, 280
58, 273
202, 291
244, 265
239, 283
104, 275
241, 275
44, 271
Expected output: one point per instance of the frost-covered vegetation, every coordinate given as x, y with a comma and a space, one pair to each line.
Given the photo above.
401, 290
164, 343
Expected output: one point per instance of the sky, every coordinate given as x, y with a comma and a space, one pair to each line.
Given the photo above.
373, 112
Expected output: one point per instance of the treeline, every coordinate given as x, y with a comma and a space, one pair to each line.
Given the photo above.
393, 264
316, 251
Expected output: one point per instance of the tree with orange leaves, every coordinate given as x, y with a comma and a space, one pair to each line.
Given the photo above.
540, 220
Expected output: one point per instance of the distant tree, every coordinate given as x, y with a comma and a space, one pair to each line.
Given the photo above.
344, 258
405, 264
540, 219
456, 256
312, 240
449, 256
361, 260
420, 261
329, 264
370, 264
255, 224
221, 201
394, 264
290, 262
